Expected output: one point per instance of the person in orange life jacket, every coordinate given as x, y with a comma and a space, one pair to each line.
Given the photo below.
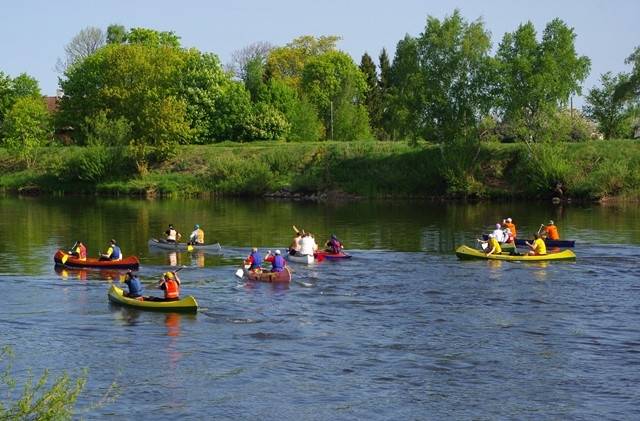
113, 252
79, 250
277, 261
551, 231
508, 223
134, 285
254, 259
334, 245
173, 236
170, 284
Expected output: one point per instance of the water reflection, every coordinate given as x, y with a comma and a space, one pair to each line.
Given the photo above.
110, 275
197, 259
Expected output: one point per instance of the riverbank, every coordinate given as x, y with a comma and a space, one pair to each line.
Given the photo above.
595, 170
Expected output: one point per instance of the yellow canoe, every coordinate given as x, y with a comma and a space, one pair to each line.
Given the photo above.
185, 305
466, 252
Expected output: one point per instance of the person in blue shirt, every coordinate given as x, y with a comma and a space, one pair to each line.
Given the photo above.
254, 260
277, 261
134, 285
113, 252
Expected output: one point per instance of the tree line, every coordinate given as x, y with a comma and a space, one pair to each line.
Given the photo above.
140, 89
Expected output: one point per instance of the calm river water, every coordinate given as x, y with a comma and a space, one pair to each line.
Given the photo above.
404, 330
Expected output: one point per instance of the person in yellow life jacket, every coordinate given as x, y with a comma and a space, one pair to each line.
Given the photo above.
538, 247
113, 252
79, 250
197, 236
491, 246
508, 223
551, 231
170, 284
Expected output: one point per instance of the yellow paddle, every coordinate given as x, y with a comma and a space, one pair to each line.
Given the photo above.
65, 257
295, 229
190, 247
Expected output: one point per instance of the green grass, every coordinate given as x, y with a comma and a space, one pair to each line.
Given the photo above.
589, 170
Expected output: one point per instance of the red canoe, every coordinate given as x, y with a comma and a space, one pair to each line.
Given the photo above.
321, 254
64, 259
266, 276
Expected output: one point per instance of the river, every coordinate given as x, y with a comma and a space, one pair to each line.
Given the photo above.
403, 330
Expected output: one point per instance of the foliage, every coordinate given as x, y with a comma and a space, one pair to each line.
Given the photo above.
612, 114
286, 63
255, 52
543, 166
381, 127
42, 399
82, 45
26, 127
373, 95
351, 121
333, 79
629, 89
100, 130
12, 89
116, 34
266, 123
535, 78
403, 92
229, 118
305, 124
153, 38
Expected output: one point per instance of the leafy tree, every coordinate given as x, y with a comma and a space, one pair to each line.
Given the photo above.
116, 34
252, 53
331, 79
266, 123
22, 86
402, 92
612, 114
372, 100
253, 77
26, 127
286, 63
233, 108
86, 42
153, 38
384, 87
305, 124
630, 88
537, 78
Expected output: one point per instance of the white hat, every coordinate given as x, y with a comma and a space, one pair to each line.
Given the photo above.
277, 251
509, 219
498, 226
492, 236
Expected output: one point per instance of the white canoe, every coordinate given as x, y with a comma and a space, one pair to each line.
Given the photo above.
301, 258
161, 244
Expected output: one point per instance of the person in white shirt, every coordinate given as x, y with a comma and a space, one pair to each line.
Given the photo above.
307, 245
498, 233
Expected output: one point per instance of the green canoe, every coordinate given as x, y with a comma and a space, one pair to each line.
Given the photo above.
185, 305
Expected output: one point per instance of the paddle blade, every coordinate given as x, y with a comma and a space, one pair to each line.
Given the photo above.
64, 259
295, 229
319, 257
484, 246
239, 273
189, 247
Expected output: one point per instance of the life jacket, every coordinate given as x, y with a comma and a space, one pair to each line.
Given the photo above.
135, 287
335, 245
171, 289
494, 244
512, 228
278, 263
82, 252
200, 236
541, 247
256, 260
116, 254
552, 232
171, 234
510, 237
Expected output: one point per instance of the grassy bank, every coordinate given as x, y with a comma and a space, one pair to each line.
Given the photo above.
591, 170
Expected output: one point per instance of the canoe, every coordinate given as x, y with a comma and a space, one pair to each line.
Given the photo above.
129, 262
466, 252
548, 242
301, 258
185, 305
161, 244
320, 255
266, 276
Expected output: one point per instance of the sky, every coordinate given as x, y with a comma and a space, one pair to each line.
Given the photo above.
33, 33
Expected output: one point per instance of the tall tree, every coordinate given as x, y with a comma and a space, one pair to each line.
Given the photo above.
26, 127
372, 97
86, 42
630, 88
384, 87
402, 99
537, 78
116, 34
612, 114
256, 52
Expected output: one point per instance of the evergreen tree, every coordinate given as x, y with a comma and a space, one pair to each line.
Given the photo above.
372, 100
384, 87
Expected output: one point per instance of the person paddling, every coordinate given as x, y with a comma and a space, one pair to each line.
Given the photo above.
508, 223
254, 260
294, 248
334, 245
134, 285
277, 261
538, 247
170, 284
79, 250
551, 231
113, 252
491, 246
197, 236
172, 236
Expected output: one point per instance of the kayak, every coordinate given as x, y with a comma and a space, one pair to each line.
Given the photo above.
185, 305
266, 276
161, 244
548, 242
466, 252
331, 256
301, 258
64, 259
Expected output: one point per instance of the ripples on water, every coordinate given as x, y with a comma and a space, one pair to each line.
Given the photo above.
385, 335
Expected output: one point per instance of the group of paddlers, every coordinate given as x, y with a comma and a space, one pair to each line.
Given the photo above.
79, 250
506, 233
